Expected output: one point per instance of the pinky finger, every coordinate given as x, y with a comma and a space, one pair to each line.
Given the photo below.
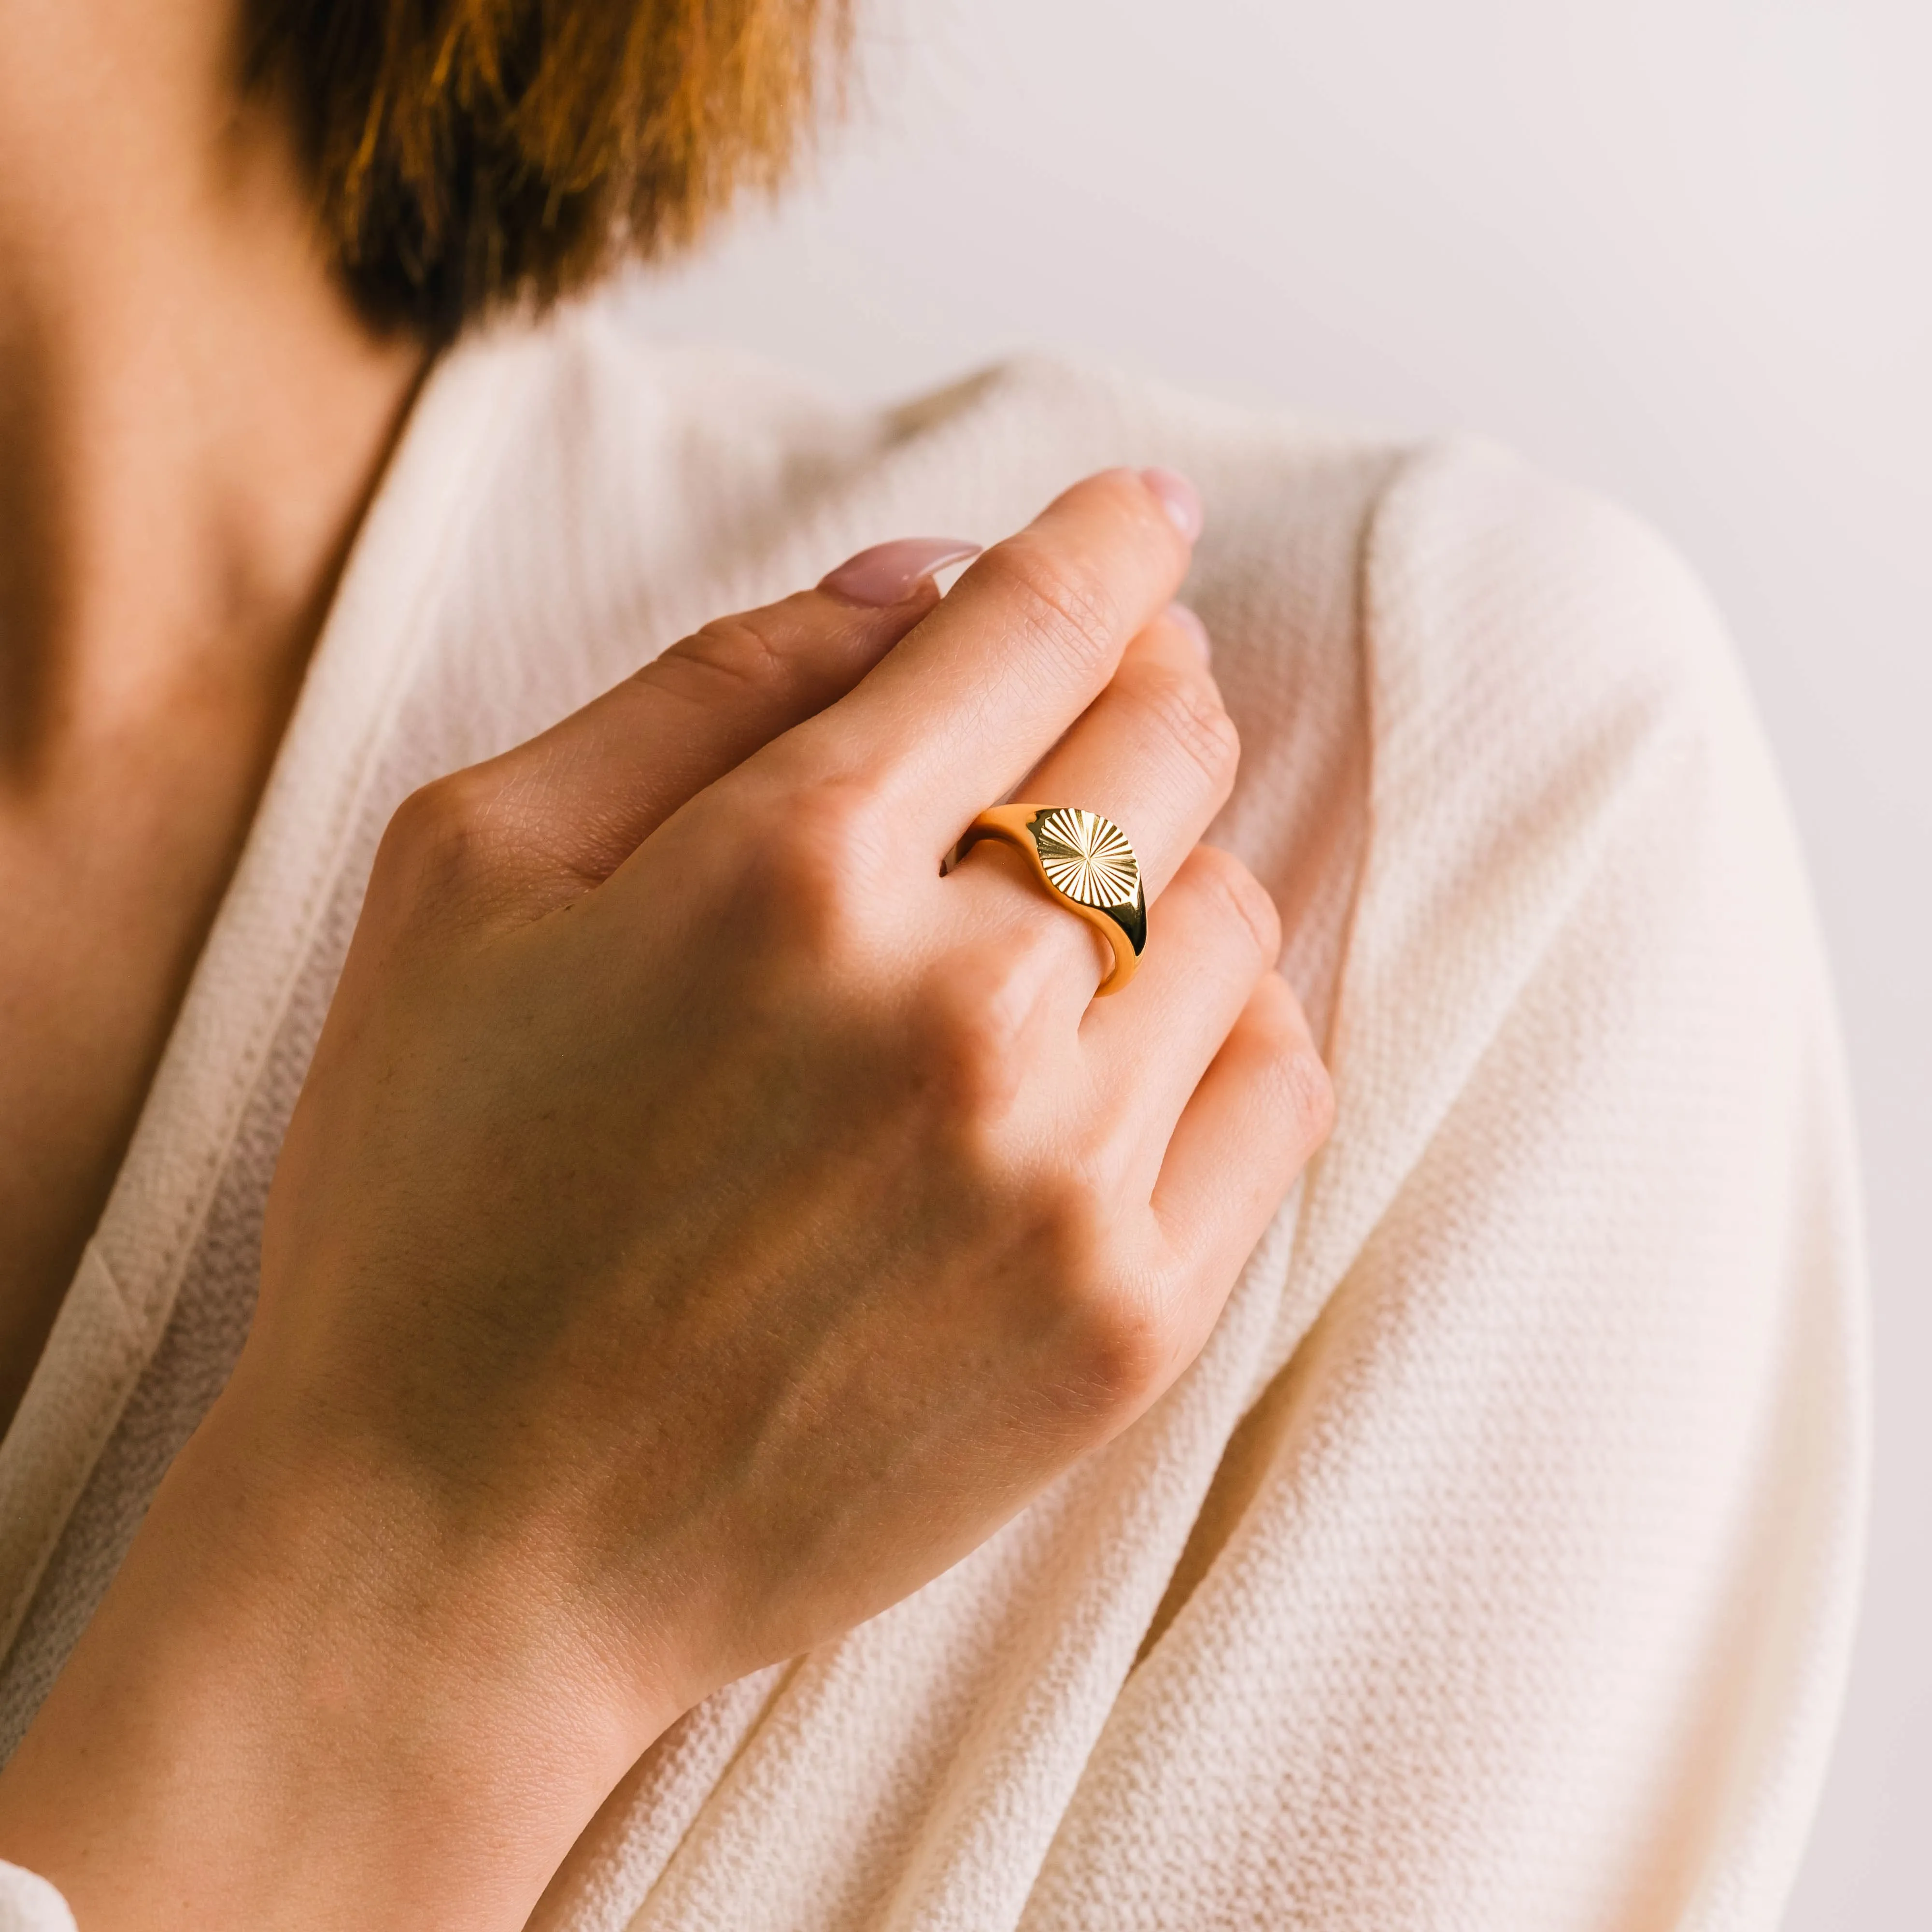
1261, 1109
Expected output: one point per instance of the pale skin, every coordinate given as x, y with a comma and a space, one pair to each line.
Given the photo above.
703, 1222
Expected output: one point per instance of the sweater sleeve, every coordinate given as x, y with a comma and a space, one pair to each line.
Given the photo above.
1535, 1604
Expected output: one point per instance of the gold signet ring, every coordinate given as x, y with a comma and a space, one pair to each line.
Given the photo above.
1087, 864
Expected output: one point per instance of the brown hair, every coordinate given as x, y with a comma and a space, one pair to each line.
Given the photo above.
467, 151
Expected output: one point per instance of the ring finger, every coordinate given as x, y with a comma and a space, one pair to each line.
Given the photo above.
1145, 1055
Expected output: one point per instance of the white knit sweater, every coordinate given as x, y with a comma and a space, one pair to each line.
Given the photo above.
1521, 1597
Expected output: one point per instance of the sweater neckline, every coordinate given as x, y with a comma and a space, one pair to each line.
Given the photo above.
115, 1310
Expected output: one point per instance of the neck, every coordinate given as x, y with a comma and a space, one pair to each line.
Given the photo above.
191, 414
192, 418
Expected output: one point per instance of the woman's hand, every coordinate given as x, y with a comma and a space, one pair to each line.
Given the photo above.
704, 1222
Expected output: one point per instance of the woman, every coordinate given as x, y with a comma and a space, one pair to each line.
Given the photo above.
766, 1401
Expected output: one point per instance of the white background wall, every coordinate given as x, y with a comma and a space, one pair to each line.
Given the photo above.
1679, 249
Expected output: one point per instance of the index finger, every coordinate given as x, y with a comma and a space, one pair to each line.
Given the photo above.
967, 703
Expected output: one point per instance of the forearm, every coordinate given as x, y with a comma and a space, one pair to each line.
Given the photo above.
285, 1715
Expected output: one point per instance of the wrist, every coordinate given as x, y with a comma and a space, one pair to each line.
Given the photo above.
301, 1687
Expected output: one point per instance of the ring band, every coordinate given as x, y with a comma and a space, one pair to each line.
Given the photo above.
1088, 863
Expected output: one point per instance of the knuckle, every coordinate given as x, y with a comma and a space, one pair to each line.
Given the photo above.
1243, 900
1124, 1353
809, 859
444, 834
1305, 1094
1063, 607
738, 653
1118, 1349
831, 827
1111, 1347
965, 1031
1300, 1093
1189, 713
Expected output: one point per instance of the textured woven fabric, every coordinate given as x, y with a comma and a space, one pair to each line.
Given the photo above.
1494, 1566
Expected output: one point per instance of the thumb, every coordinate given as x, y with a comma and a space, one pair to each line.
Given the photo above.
565, 809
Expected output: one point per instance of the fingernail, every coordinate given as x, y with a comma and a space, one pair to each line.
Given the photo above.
1183, 619
1178, 498
888, 573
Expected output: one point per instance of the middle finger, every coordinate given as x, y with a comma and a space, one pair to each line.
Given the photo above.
1155, 752
1022, 644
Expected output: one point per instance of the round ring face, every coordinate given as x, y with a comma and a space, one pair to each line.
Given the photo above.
1087, 857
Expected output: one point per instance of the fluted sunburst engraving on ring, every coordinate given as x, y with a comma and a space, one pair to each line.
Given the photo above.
1087, 856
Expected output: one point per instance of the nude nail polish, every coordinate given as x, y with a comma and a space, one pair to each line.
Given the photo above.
1179, 616
1178, 498
888, 573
